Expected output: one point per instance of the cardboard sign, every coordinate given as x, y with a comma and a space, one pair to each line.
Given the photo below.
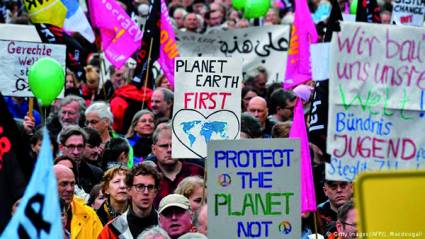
376, 99
17, 58
376, 193
406, 12
207, 103
254, 189
265, 46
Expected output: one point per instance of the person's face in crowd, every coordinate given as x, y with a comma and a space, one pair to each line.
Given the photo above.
165, 83
386, 17
69, 114
191, 22
36, 147
100, 199
215, 18
187, 3
91, 152
66, 185
196, 198
145, 125
73, 147
179, 19
93, 80
203, 220
94, 121
338, 192
348, 228
248, 96
272, 17
69, 82
159, 105
260, 82
257, 107
143, 192
117, 189
287, 112
118, 77
162, 149
176, 221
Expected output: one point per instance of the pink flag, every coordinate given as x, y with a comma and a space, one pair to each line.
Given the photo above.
168, 48
121, 36
298, 66
298, 130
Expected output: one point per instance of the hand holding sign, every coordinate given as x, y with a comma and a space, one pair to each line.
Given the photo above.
46, 79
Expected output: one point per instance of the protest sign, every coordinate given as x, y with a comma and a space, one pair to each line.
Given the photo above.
320, 61
373, 191
376, 99
254, 188
265, 46
17, 58
26, 33
207, 103
406, 12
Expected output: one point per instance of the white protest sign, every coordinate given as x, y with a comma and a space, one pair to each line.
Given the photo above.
26, 32
376, 99
265, 46
17, 58
320, 61
207, 103
254, 188
408, 12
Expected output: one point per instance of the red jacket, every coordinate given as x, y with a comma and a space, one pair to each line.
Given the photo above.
126, 101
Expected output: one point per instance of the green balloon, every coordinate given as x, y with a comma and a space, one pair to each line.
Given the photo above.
238, 4
256, 8
46, 78
353, 7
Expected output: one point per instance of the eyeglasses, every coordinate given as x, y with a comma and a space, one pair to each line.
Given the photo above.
349, 224
92, 122
164, 146
141, 187
73, 147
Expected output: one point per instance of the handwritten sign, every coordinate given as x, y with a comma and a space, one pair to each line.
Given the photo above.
207, 103
407, 12
265, 46
376, 100
17, 58
254, 189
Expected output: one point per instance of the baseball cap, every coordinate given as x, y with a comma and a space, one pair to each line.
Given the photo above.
174, 200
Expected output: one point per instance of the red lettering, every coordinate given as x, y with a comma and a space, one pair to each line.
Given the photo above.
405, 143
376, 148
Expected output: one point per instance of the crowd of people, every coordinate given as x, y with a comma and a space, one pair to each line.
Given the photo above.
112, 144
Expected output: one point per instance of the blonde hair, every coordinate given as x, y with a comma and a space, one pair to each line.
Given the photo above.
110, 174
188, 185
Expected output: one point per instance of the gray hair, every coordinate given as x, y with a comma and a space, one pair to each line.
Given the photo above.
71, 98
152, 232
188, 185
180, 10
167, 94
102, 109
135, 119
158, 130
193, 235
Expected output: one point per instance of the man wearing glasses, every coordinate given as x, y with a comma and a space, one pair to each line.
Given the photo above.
338, 193
142, 182
346, 224
72, 143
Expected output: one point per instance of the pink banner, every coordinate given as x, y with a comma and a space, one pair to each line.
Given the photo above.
168, 48
121, 36
298, 130
298, 67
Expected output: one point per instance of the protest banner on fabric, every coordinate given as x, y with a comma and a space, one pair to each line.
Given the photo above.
38, 214
376, 99
254, 188
121, 36
265, 46
408, 12
17, 58
207, 103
